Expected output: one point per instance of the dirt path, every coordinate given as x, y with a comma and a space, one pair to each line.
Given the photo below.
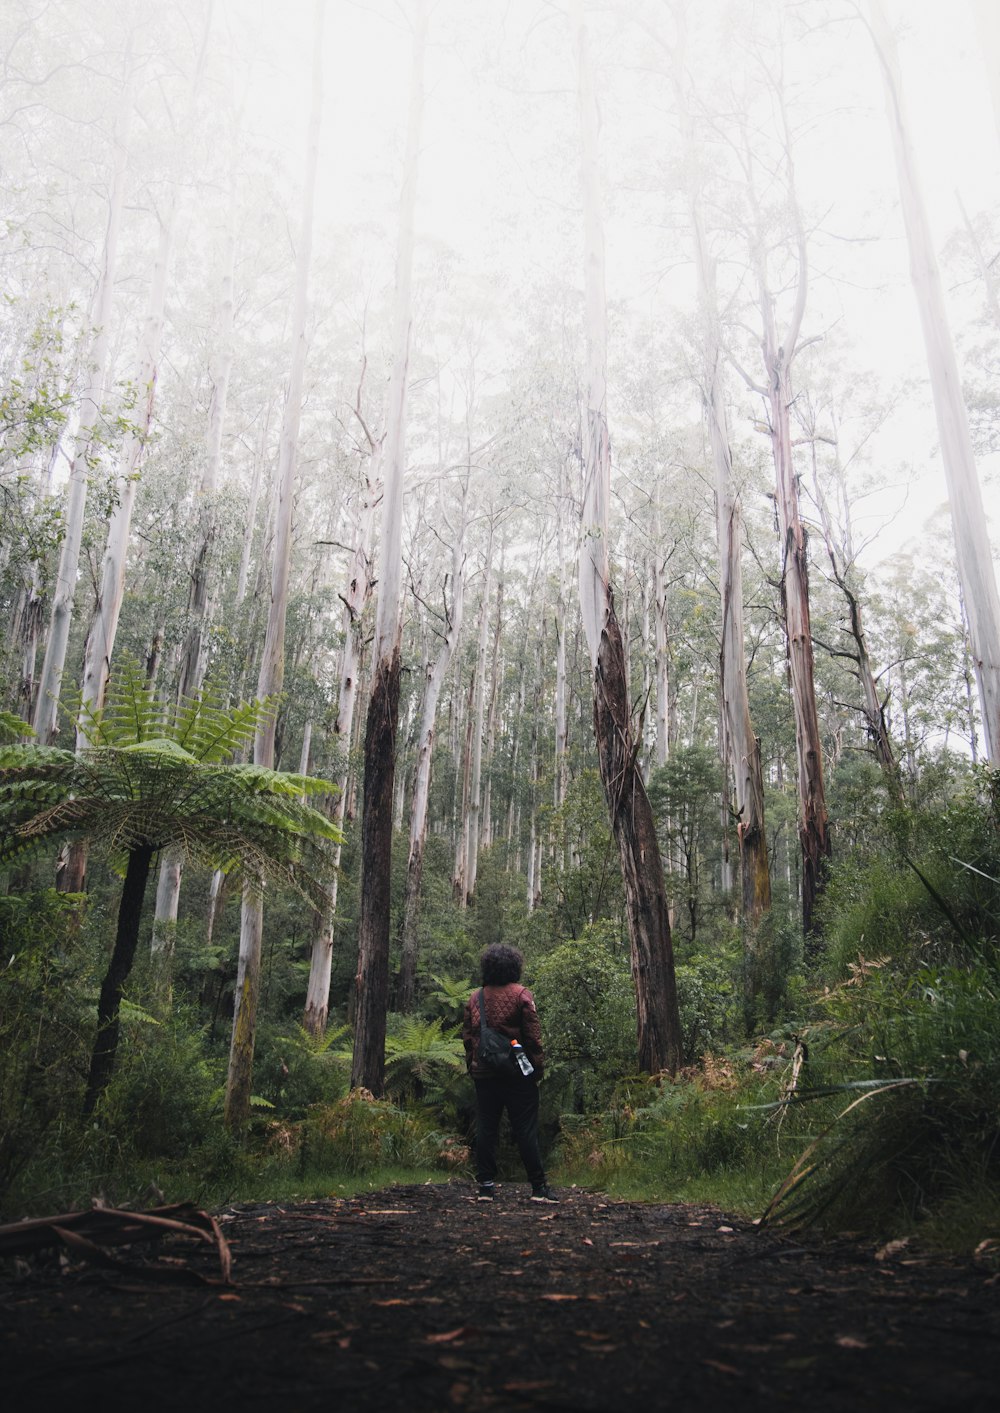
419, 1298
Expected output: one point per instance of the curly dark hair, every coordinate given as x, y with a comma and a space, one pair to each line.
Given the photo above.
501, 964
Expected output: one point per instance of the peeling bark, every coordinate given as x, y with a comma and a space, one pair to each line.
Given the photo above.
658, 1020
634, 829
372, 985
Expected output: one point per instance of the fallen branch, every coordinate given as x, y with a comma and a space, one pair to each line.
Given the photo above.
88, 1233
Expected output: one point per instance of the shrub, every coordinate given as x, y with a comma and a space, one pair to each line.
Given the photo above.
45, 1031
360, 1134
587, 1008
918, 1119
294, 1070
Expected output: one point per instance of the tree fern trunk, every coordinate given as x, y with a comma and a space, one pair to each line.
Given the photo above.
102, 1060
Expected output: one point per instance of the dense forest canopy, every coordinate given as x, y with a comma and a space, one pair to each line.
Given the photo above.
548, 452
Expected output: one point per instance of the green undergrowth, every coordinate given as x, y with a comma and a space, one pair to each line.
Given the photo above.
880, 1115
702, 1138
278, 1185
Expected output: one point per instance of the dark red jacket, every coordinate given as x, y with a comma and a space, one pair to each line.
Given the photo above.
511, 1010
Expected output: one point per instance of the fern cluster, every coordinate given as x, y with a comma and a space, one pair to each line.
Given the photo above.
154, 775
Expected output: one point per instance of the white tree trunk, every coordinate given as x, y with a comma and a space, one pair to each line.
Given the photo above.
741, 748
458, 883
435, 673
972, 547
359, 588
259, 462
272, 666
778, 351
104, 627
192, 668
988, 25
47, 702
661, 624
496, 677
561, 770
478, 722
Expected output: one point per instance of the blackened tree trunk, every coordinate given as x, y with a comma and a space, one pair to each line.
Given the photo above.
376, 847
372, 982
102, 1060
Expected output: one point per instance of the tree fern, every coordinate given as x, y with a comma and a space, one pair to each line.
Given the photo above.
148, 779
419, 1051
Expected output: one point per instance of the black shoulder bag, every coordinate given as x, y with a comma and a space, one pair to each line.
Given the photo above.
495, 1051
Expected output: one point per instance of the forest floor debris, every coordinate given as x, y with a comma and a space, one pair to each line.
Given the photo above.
421, 1298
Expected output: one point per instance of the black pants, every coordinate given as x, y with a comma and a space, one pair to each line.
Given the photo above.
520, 1099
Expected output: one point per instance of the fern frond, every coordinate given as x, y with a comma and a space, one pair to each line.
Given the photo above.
131, 711
12, 726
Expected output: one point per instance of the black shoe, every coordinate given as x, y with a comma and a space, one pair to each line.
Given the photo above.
487, 1192
543, 1194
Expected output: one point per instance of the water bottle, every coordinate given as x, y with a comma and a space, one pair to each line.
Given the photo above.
523, 1063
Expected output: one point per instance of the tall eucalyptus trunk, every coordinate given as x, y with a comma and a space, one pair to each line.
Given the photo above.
478, 722
657, 1015
778, 349
434, 675
842, 559
192, 665
974, 559
272, 666
372, 984
47, 701
359, 589
742, 744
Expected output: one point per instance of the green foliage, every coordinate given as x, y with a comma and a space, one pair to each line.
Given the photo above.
771, 970
12, 727
162, 1101
923, 1046
888, 1118
707, 998
692, 1137
421, 1057
584, 994
451, 995
934, 889
445, 943
43, 1034
584, 883
152, 777
686, 796
360, 1134
294, 1070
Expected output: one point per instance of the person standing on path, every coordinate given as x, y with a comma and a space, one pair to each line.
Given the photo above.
510, 1009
